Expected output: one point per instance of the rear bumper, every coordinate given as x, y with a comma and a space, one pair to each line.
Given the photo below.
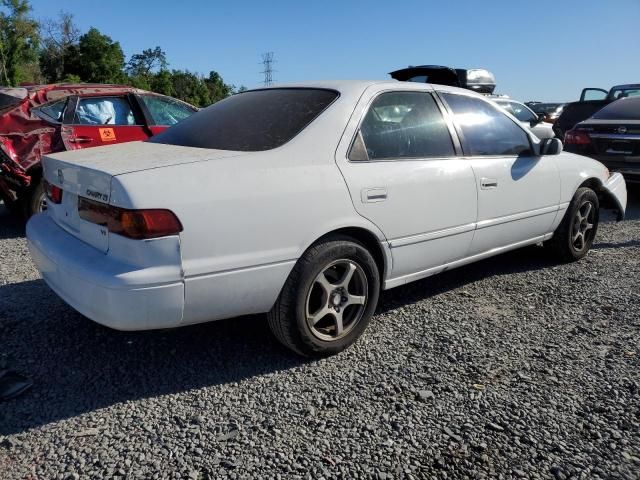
107, 291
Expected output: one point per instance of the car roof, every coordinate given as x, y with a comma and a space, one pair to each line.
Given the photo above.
358, 86
628, 85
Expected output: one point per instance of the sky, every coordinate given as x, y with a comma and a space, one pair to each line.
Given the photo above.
538, 50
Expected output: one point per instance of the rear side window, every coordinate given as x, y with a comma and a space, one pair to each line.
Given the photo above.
165, 111
486, 130
403, 125
250, 121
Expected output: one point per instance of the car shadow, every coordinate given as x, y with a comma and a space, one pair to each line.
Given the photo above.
79, 366
11, 226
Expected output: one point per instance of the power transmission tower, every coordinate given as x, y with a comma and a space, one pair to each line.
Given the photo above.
267, 64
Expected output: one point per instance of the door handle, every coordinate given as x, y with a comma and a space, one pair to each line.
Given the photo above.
81, 139
371, 195
488, 183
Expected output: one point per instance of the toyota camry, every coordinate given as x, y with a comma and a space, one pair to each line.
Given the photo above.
304, 202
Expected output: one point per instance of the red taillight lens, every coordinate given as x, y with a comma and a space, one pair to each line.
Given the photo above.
54, 194
576, 137
136, 224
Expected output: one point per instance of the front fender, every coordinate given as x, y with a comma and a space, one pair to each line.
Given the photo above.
616, 190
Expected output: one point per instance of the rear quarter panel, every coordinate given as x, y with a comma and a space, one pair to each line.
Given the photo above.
247, 219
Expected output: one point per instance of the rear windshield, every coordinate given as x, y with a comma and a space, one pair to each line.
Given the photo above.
8, 100
623, 109
250, 121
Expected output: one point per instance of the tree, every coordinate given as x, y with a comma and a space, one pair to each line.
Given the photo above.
218, 90
147, 62
96, 58
19, 39
59, 37
190, 87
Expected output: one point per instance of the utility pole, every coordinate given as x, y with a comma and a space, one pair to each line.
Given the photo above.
267, 65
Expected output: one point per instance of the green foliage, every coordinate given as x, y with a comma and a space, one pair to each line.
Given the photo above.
145, 63
96, 59
19, 39
55, 51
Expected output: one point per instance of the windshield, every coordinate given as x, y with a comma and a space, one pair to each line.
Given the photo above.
251, 121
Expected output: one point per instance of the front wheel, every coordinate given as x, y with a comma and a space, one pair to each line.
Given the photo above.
574, 236
328, 299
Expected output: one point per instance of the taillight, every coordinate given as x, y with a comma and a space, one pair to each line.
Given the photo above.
135, 224
54, 193
576, 137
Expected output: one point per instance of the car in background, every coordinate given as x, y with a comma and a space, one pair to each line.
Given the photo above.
305, 201
611, 136
550, 111
41, 119
475, 79
527, 117
591, 100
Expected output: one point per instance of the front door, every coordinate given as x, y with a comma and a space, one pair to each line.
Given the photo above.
102, 120
403, 174
518, 192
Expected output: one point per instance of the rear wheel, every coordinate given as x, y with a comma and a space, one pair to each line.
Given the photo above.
35, 200
328, 299
574, 236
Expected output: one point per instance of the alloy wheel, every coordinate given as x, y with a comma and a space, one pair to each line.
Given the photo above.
336, 300
582, 229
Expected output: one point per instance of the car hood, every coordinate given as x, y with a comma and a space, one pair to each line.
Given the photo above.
136, 156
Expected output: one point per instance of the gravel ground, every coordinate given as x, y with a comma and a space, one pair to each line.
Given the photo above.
512, 367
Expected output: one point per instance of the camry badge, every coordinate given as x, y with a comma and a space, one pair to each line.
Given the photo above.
622, 130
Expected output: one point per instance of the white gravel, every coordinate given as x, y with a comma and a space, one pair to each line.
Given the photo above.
512, 367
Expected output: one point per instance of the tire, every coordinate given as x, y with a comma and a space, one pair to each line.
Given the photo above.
35, 200
318, 292
574, 236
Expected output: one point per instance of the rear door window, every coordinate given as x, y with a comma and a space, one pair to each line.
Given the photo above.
104, 111
166, 111
486, 130
251, 121
403, 125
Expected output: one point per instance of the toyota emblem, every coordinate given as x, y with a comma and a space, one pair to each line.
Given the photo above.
622, 130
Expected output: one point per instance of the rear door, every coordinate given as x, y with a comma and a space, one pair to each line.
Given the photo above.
518, 192
404, 175
102, 120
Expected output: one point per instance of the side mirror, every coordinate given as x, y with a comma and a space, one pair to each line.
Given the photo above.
550, 146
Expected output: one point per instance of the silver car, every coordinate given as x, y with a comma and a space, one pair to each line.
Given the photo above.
527, 117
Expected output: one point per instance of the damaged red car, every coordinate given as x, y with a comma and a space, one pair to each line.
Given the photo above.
40, 119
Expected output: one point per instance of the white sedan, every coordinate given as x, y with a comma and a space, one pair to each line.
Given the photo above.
304, 202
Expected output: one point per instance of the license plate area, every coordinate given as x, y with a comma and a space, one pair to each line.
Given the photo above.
620, 148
